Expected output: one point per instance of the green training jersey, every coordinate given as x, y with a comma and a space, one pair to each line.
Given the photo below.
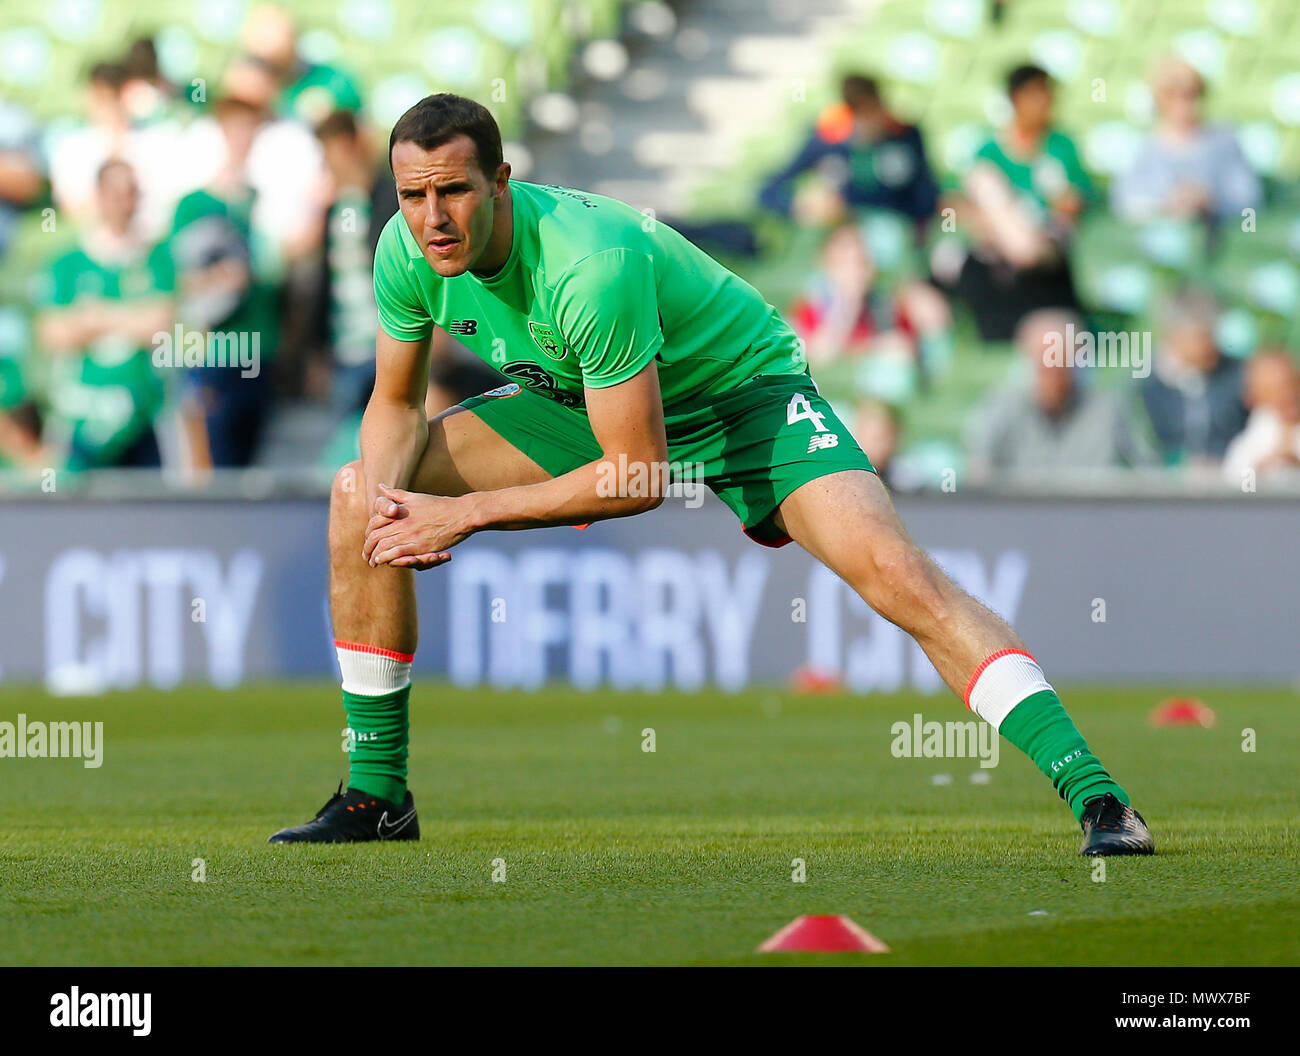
593, 290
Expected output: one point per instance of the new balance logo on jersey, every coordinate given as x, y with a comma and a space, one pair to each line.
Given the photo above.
821, 441
463, 326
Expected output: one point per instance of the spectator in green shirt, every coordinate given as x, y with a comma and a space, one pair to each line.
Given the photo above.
106, 301
222, 292
20, 433
309, 92
1023, 194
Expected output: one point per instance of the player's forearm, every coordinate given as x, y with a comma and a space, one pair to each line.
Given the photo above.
594, 492
393, 438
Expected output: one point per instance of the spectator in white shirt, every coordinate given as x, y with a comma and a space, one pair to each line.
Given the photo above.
1270, 443
284, 165
78, 150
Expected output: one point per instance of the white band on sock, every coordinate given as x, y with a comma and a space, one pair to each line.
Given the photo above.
1001, 682
369, 671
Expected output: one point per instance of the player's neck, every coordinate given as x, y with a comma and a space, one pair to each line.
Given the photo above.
501, 242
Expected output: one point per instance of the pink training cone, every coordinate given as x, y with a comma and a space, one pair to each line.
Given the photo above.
1183, 711
823, 935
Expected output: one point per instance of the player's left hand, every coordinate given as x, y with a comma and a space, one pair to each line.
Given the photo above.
410, 530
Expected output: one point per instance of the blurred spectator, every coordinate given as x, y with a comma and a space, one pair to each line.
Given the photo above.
844, 312
1270, 443
221, 290
20, 443
869, 158
1024, 192
20, 419
876, 428
1186, 168
363, 199
107, 300
76, 155
1054, 422
281, 163
307, 92
146, 95
283, 169
833, 314
1194, 395
21, 170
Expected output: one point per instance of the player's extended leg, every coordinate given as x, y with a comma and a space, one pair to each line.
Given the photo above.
376, 628
847, 522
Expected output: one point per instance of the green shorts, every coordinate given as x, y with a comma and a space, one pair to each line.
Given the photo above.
752, 446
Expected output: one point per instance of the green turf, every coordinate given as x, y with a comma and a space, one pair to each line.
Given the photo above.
615, 855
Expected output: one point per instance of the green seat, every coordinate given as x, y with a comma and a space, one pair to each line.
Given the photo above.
1119, 266
1109, 147
1285, 99
962, 19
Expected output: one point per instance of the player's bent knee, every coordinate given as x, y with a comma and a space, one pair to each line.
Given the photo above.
349, 488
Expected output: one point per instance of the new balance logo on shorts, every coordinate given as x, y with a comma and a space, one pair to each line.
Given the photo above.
463, 326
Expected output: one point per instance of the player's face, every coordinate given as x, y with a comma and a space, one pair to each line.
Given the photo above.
450, 205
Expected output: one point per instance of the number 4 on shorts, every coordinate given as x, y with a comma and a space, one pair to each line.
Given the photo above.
799, 409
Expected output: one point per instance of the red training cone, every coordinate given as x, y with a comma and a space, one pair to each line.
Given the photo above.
808, 679
823, 935
1183, 711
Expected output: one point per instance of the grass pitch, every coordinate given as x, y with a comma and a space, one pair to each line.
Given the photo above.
615, 855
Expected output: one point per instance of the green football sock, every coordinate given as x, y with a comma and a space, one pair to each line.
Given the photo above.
379, 733
1040, 727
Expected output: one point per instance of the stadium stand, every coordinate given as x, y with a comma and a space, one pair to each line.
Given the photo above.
699, 139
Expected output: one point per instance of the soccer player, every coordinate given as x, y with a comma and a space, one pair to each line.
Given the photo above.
628, 347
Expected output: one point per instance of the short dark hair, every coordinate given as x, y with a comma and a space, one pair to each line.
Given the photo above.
141, 60
437, 119
339, 123
1023, 75
112, 74
856, 88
